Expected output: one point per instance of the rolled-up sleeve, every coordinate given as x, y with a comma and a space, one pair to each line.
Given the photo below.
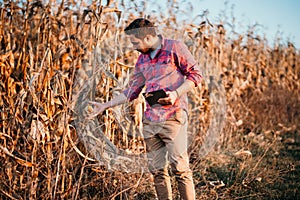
186, 63
136, 84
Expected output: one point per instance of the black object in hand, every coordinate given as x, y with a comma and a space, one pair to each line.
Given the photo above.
152, 97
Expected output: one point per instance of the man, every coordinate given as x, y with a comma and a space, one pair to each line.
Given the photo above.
169, 66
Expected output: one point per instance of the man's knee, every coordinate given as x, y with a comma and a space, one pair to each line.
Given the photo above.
181, 170
159, 172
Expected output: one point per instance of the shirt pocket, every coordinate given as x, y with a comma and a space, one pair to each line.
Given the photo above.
165, 67
147, 70
166, 61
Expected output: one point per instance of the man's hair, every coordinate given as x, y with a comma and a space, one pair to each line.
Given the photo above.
140, 28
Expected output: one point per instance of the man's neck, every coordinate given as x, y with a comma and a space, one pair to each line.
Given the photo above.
157, 42
153, 51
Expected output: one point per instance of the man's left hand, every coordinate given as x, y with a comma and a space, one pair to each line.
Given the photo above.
170, 99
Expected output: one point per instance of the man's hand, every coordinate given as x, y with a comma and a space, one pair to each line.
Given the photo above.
100, 107
172, 96
97, 109
170, 99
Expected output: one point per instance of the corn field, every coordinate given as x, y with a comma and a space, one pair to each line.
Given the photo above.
55, 57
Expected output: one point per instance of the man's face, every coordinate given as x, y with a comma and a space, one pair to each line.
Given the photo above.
141, 45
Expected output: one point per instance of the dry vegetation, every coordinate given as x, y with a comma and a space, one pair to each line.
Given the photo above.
54, 56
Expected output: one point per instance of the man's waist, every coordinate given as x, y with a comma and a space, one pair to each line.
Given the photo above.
163, 113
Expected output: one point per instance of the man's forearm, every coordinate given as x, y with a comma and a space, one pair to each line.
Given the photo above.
118, 100
185, 87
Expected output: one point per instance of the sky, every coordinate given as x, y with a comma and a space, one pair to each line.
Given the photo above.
276, 16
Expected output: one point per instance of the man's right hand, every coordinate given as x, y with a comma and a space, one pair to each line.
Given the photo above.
97, 108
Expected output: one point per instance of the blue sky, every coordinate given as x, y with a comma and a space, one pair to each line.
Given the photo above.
275, 16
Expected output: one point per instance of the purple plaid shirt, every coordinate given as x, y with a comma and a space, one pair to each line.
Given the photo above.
172, 64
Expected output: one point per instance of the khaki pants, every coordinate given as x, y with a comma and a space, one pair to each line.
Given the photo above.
167, 142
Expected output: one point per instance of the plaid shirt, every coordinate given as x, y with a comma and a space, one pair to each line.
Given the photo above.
172, 64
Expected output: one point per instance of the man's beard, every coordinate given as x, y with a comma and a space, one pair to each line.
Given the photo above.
145, 51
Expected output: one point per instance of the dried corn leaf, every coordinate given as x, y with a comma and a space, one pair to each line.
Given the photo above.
19, 160
38, 130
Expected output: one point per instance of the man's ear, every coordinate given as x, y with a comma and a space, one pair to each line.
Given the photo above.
148, 39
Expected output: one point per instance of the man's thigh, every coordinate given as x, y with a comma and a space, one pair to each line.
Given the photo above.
169, 136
